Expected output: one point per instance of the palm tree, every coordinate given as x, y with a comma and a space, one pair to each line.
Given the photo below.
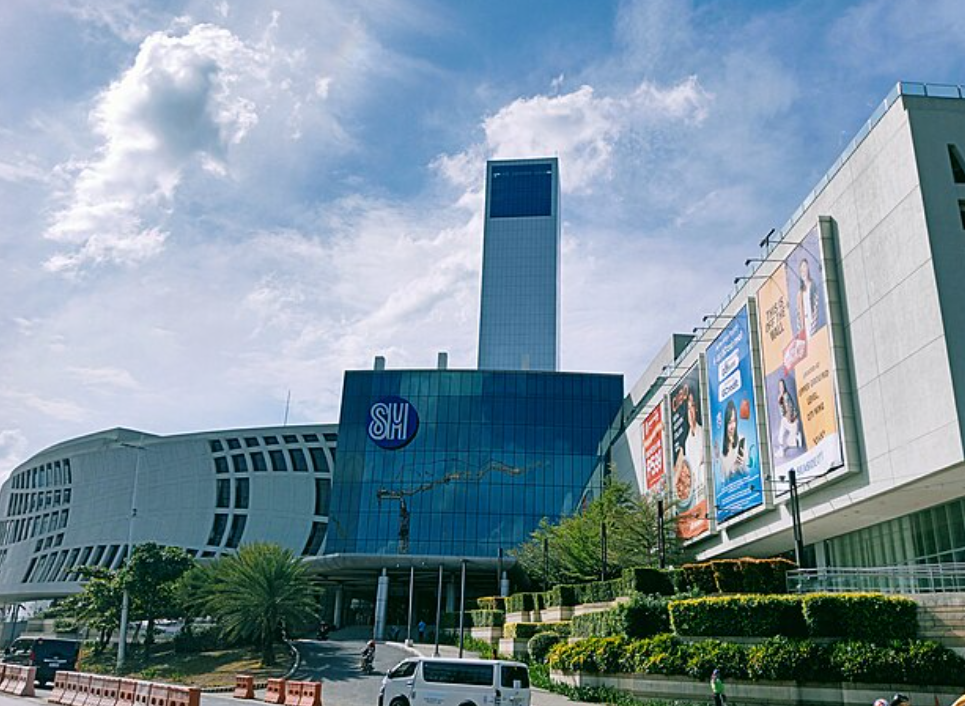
258, 592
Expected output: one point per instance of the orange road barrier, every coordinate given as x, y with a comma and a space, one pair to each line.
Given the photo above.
184, 696
311, 694
77, 695
109, 691
293, 693
275, 691
125, 692
158, 695
244, 686
142, 693
94, 692
21, 681
8, 677
60, 685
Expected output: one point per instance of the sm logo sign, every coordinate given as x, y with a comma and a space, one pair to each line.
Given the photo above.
393, 422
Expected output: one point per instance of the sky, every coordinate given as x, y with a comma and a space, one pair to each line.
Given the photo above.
209, 205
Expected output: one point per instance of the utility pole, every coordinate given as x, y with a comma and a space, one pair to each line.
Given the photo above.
462, 606
435, 652
661, 539
126, 599
796, 520
408, 632
546, 563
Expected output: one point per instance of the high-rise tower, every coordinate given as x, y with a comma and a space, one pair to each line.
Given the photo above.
519, 321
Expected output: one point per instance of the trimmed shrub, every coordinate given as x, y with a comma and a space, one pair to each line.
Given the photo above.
735, 576
596, 655
860, 616
650, 581
562, 595
541, 643
780, 658
521, 631
927, 662
902, 662
600, 591
738, 616
707, 655
641, 617
491, 603
661, 654
487, 618
524, 601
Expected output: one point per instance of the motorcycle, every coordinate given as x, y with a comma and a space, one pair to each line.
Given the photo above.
365, 665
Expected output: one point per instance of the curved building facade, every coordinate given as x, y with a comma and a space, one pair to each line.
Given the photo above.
71, 504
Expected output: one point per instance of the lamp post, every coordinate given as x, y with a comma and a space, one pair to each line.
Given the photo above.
462, 606
435, 652
126, 600
796, 520
661, 540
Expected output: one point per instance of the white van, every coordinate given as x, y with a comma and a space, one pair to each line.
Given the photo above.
436, 681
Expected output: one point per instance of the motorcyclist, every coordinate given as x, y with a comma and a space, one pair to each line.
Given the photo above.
368, 656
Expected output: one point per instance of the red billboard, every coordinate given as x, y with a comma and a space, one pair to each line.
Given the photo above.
653, 451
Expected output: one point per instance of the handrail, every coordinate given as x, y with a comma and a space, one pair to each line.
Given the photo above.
916, 578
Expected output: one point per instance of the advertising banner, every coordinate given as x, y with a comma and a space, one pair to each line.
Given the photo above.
802, 418
689, 471
653, 451
738, 484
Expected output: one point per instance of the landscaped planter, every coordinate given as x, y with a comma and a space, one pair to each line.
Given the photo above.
489, 634
747, 692
523, 616
556, 613
587, 608
514, 647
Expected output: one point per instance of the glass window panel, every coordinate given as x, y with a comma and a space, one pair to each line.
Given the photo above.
278, 462
239, 463
258, 463
299, 462
237, 530
241, 494
220, 464
223, 494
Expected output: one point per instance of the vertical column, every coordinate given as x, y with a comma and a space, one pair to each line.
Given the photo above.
339, 603
504, 585
451, 595
381, 605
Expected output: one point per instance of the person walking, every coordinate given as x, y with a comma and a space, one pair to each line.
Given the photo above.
422, 631
717, 688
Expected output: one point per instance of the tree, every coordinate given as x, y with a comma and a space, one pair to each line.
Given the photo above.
574, 542
150, 576
98, 605
258, 593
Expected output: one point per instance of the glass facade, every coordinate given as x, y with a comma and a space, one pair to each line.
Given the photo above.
932, 536
492, 454
519, 313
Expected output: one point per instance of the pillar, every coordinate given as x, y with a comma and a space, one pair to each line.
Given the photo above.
451, 595
504, 585
381, 605
339, 603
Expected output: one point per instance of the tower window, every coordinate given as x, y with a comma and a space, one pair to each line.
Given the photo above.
958, 164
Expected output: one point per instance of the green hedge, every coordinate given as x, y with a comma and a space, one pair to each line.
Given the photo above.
857, 616
735, 576
541, 643
650, 581
738, 616
562, 595
487, 618
521, 631
775, 659
491, 603
601, 591
524, 601
860, 616
641, 617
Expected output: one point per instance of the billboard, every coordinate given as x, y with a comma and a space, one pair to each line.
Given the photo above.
689, 470
735, 449
802, 418
653, 451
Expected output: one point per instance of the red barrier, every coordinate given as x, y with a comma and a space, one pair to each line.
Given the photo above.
142, 693
275, 691
9, 677
109, 689
184, 696
159, 695
23, 682
77, 695
94, 691
311, 694
293, 693
60, 686
244, 686
125, 692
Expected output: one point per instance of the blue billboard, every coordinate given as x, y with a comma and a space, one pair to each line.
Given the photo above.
736, 452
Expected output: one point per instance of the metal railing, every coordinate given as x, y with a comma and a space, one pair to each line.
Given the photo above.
919, 578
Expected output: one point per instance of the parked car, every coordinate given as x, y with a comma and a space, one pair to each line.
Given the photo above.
47, 654
432, 681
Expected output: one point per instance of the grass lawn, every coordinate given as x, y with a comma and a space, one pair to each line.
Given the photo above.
206, 669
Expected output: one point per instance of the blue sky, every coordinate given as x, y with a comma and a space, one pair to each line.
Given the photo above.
208, 204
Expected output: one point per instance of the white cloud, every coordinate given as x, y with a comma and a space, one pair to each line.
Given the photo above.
582, 128
182, 100
104, 377
61, 409
13, 450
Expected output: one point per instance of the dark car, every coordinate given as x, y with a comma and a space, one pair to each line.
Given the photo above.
47, 654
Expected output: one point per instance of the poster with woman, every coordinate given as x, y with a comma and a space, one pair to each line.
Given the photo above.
802, 418
653, 451
735, 448
689, 486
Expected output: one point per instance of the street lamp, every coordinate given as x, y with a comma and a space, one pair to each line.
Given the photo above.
126, 601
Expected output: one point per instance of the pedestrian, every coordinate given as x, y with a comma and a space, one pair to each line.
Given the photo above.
881, 702
900, 700
717, 688
422, 631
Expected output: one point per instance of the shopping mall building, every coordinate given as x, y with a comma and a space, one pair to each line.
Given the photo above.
839, 355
